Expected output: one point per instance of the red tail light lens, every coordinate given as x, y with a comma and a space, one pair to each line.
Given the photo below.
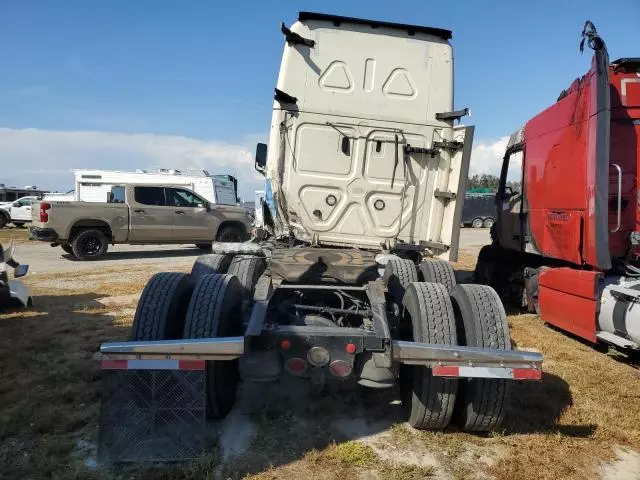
296, 366
44, 216
340, 368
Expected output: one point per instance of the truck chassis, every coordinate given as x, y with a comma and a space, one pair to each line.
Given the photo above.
255, 312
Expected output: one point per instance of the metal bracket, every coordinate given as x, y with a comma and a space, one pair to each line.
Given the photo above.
448, 145
282, 97
293, 38
444, 195
429, 151
455, 115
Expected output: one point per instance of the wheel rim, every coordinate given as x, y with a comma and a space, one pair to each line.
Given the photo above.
488, 223
92, 246
477, 223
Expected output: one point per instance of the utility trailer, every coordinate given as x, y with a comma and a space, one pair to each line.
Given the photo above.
568, 245
364, 177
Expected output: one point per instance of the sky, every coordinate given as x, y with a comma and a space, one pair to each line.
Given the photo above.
126, 84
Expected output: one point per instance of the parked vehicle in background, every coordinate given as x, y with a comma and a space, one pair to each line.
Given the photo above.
18, 212
95, 185
137, 214
567, 242
11, 194
12, 292
479, 210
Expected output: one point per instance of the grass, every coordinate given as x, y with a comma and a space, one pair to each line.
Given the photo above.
562, 427
15, 234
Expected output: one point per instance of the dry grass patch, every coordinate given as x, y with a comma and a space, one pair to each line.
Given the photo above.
15, 234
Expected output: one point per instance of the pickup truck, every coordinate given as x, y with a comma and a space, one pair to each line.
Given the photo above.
137, 214
18, 212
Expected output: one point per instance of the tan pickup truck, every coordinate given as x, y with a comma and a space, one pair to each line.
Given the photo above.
137, 214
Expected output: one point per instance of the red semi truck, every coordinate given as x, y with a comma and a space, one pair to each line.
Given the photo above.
568, 245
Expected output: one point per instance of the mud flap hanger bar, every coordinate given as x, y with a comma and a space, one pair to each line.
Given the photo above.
412, 353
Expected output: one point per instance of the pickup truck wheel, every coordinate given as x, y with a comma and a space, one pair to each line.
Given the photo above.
398, 274
208, 264
3, 220
67, 248
481, 322
438, 271
162, 307
248, 269
18, 224
428, 400
230, 234
215, 311
89, 244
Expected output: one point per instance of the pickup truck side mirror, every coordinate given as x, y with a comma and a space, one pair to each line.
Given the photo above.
207, 206
261, 157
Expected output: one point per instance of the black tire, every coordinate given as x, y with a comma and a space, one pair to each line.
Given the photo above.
204, 246
212, 263
230, 234
398, 274
488, 222
18, 224
477, 223
214, 311
248, 269
67, 248
89, 244
438, 271
162, 307
428, 400
4, 219
481, 322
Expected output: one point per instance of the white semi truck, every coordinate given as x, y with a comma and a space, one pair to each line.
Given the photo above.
365, 175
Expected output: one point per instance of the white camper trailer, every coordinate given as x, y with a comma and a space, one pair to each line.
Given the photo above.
95, 185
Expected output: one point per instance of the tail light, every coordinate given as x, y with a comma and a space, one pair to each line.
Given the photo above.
296, 366
44, 216
340, 368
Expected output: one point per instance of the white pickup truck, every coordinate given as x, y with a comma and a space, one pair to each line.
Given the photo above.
18, 212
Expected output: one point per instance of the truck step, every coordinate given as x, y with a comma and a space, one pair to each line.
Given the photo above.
617, 340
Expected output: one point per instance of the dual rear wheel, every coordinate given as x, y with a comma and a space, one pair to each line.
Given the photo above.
205, 304
437, 311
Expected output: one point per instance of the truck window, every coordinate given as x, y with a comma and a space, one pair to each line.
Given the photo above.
116, 195
150, 196
179, 197
513, 181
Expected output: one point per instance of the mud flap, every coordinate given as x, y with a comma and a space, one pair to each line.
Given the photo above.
152, 415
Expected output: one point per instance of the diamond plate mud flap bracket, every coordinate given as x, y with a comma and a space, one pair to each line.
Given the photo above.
152, 411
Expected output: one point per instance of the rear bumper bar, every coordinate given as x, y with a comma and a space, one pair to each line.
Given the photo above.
445, 360
43, 234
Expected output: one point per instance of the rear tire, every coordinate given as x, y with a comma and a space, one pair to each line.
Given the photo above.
18, 224
67, 249
482, 323
89, 244
438, 271
230, 234
161, 311
429, 400
477, 223
204, 246
398, 274
248, 269
210, 264
488, 222
214, 311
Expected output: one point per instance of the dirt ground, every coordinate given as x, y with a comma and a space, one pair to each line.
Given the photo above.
580, 421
